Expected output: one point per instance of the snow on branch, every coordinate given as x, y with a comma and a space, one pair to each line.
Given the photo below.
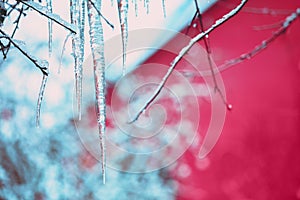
209, 56
183, 51
264, 44
45, 12
41, 64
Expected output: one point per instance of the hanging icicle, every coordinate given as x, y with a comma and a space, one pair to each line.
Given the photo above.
146, 4
40, 99
63, 51
99, 13
97, 48
123, 15
135, 7
81, 28
77, 52
164, 7
50, 25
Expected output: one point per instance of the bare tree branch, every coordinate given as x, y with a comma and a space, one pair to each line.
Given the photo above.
184, 51
21, 12
257, 49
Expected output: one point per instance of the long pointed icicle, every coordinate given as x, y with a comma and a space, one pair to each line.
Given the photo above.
81, 24
164, 7
81, 27
77, 53
40, 99
123, 15
135, 7
50, 25
63, 51
146, 4
97, 47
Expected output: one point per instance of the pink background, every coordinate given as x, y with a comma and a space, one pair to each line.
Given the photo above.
257, 155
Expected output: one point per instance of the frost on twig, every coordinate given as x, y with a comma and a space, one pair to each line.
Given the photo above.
283, 26
183, 51
264, 44
41, 64
5, 49
209, 57
44, 11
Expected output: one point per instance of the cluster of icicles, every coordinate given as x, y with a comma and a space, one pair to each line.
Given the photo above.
78, 10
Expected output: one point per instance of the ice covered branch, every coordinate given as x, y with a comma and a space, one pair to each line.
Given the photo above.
209, 56
184, 51
44, 11
41, 64
264, 44
257, 49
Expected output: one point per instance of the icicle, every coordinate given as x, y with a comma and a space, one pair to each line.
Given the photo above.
40, 98
97, 47
99, 13
81, 28
63, 51
123, 14
164, 7
135, 7
77, 53
50, 25
80, 48
146, 4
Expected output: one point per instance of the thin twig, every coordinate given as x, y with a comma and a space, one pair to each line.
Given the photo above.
268, 26
260, 11
12, 7
209, 55
264, 44
184, 51
190, 24
14, 31
44, 12
35, 61
257, 49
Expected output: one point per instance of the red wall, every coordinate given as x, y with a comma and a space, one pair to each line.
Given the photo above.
257, 155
